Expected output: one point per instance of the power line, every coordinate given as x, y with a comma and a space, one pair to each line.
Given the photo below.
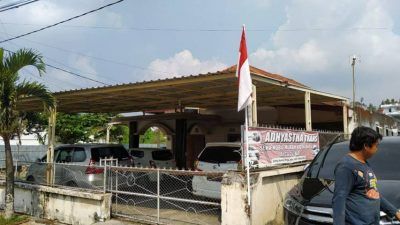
172, 29
16, 5
41, 78
67, 71
55, 24
97, 58
58, 61
76, 74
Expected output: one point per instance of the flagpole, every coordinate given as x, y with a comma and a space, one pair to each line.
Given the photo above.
247, 155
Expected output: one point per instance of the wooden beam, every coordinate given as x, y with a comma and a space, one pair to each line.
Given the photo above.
307, 106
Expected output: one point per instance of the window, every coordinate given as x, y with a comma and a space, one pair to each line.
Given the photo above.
64, 155
234, 137
384, 163
220, 154
138, 154
326, 168
79, 155
162, 155
116, 152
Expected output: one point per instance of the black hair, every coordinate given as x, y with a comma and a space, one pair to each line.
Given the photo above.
363, 136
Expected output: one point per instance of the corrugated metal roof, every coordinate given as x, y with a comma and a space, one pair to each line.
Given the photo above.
210, 90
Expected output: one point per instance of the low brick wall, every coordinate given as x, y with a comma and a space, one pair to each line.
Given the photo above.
70, 206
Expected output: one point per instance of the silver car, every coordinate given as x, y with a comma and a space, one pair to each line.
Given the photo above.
78, 165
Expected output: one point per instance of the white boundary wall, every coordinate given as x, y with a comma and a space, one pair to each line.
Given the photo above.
268, 190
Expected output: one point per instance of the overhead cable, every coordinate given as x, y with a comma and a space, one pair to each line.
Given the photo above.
67, 71
61, 22
176, 29
16, 5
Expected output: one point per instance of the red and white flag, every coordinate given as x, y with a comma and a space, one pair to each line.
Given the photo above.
243, 74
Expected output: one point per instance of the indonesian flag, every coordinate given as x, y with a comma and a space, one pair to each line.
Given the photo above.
243, 74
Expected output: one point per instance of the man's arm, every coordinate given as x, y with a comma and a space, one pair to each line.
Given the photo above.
344, 181
389, 209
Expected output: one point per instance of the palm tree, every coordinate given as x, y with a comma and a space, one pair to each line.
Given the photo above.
11, 92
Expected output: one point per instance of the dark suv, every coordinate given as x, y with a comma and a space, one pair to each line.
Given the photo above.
310, 201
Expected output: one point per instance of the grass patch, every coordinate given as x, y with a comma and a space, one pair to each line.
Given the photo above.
14, 220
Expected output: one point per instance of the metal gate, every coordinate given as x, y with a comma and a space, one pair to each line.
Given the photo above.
164, 196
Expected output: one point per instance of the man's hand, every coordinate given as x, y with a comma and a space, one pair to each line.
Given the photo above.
398, 215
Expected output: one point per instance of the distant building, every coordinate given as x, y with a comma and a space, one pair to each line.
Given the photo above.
392, 110
384, 124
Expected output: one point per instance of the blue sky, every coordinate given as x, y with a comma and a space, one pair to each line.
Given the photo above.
310, 41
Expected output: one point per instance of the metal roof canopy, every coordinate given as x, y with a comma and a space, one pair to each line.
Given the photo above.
210, 91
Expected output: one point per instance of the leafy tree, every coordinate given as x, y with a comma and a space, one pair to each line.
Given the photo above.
11, 92
147, 137
77, 127
153, 135
73, 128
371, 108
36, 123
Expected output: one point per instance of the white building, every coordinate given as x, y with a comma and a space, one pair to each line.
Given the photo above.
392, 110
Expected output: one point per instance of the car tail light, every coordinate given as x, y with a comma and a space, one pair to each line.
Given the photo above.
152, 164
92, 162
92, 169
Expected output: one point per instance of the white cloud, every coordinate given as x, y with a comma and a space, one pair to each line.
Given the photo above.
182, 63
48, 12
42, 12
318, 54
84, 64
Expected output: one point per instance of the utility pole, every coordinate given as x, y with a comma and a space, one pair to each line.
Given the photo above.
353, 64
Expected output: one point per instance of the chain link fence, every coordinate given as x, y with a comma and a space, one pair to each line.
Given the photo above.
143, 194
166, 196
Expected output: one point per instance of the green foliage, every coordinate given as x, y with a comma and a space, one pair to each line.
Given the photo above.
389, 101
371, 108
78, 127
84, 127
153, 135
36, 123
12, 89
14, 220
119, 134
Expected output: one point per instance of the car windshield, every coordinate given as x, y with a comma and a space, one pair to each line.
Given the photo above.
384, 163
162, 155
220, 154
117, 152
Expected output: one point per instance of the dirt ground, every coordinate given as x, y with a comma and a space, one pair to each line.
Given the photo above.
35, 221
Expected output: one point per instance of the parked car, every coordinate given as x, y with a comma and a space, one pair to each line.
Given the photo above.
81, 168
310, 202
215, 157
153, 157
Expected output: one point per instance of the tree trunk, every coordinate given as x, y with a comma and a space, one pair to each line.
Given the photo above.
9, 207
